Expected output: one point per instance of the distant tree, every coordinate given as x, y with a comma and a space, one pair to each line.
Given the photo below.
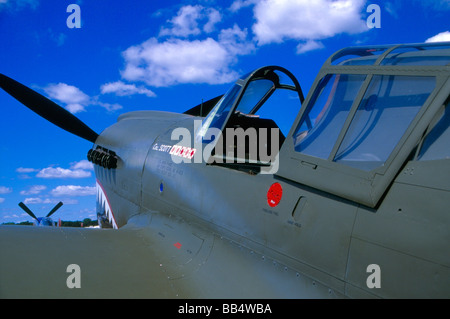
87, 222
21, 223
26, 223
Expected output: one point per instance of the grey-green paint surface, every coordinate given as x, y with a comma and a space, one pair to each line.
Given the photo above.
194, 230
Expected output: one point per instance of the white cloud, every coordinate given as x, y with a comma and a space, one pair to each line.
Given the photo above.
306, 20
2, 200
441, 37
18, 5
392, 8
310, 45
189, 19
79, 169
185, 23
6, 217
239, 4
34, 190
395, 7
26, 170
178, 61
83, 164
109, 107
72, 190
174, 58
122, 89
75, 100
37, 200
214, 17
5, 190
58, 172
234, 40
435, 4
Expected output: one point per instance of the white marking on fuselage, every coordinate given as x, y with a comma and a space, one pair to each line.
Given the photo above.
103, 201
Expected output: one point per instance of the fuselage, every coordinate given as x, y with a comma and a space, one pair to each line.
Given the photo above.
357, 202
328, 238
267, 194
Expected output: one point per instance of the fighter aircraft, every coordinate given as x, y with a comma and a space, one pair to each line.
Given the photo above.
349, 197
42, 221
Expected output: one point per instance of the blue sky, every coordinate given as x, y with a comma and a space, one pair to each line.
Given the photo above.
159, 55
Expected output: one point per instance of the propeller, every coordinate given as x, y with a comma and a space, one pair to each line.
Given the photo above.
54, 209
47, 108
29, 212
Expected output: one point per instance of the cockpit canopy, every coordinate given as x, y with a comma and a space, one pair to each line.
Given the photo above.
360, 133
250, 94
257, 105
370, 109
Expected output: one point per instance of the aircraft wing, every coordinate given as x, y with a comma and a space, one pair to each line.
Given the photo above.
35, 263
153, 256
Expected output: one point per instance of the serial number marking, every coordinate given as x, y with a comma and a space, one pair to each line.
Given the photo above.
231, 308
176, 150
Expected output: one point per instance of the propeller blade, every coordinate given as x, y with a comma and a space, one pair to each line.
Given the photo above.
47, 108
27, 210
54, 209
